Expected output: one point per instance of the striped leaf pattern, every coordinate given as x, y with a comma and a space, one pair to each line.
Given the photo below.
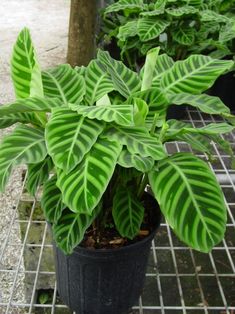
98, 82
65, 83
30, 104
70, 229
127, 30
184, 36
209, 15
125, 81
149, 68
133, 5
163, 63
138, 141
191, 200
128, 160
128, 213
205, 103
151, 27
25, 118
25, 70
38, 174
121, 114
179, 127
69, 137
25, 145
83, 187
51, 201
193, 75
183, 10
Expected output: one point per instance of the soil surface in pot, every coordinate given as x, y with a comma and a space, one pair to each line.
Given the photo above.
109, 238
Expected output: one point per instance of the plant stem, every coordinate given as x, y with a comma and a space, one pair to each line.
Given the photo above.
154, 123
142, 186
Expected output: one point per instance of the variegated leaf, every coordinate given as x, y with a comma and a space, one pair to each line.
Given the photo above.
25, 145
151, 27
65, 83
121, 5
69, 137
182, 10
83, 187
191, 200
138, 141
128, 160
128, 213
51, 201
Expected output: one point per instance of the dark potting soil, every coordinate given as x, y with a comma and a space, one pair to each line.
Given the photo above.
109, 238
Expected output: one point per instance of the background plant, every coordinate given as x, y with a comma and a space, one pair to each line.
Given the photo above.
179, 28
95, 136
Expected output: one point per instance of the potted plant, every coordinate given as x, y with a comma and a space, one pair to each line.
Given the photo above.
94, 138
179, 28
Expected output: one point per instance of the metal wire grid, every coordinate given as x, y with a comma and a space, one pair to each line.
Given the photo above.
178, 279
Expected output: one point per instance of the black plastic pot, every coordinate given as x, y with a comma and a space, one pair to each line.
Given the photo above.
224, 88
103, 281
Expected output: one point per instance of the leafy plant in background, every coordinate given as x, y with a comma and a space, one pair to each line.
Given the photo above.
179, 28
94, 138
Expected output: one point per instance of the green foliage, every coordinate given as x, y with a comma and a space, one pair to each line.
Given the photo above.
96, 136
179, 28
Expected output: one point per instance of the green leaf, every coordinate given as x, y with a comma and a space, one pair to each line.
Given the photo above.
209, 15
184, 36
127, 30
183, 10
164, 63
37, 174
69, 137
191, 200
121, 5
227, 31
128, 213
149, 68
51, 201
158, 9
138, 141
25, 70
98, 82
128, 160
25, 145
10, 119
125, 81
193, 75
205, 103
31, 104
150, 27
141, 111
65, 83
70, 229
83, 187
121, 114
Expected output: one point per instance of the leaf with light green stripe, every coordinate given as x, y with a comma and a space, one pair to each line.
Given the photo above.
37, 174
98, 82
121, 114
25, 70
149, 68
209, 15
69, 230
193, 75
25, 145
150, 27
184, 36
138, 141
70, 136
127, 30
182, 10
205, 103
128, 213
65, 83
125, 81
51, 201
83, 187
128, 160
121, 5
31, 104
25, 118
191, 200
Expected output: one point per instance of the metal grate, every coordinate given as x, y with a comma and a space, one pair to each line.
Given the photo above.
178, 279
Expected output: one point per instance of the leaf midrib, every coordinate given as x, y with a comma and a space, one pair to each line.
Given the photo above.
58, 86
